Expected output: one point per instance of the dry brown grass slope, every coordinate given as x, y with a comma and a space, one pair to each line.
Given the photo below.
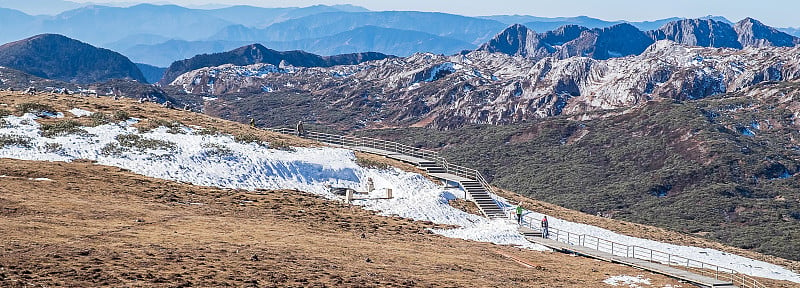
95, 225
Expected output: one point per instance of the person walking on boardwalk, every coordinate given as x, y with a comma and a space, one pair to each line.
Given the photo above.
545, 225
300, 130
519, 213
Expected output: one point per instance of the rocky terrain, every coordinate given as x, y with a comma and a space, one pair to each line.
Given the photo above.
257, 53
57, 57
624, 39
481, 87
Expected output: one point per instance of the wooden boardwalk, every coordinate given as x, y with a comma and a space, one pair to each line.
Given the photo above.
633, 262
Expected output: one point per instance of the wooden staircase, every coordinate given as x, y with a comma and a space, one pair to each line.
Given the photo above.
482, 198
475, 190
474, 184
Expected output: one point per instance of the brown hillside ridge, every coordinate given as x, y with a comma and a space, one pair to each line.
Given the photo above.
639, 230
149, 113
93, 225
103, 226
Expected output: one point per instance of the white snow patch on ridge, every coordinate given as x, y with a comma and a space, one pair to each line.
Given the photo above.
222, 162
627, 281
80, 112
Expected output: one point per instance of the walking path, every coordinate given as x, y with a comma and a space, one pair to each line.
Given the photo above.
479, 191
535, 237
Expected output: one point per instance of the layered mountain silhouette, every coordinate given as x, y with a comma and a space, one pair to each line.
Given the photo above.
625, 39
57, 57
257, 53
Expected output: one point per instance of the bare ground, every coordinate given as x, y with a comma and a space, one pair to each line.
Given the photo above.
94, 225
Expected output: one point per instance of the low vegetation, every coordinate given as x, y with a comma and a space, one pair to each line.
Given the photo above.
35, 108
63, 128
687, 166
15, 140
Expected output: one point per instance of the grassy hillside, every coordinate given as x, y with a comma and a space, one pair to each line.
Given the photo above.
86, 225
94, 225
719, 168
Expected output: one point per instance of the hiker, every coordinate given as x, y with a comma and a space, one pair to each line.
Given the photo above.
519, 213
300, 130
253, 122
544, 227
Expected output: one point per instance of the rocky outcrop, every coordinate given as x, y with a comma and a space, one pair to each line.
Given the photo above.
256, 53
616, 41
753, 33
516, 40
624, 39
698, 32
57, 57
482, 87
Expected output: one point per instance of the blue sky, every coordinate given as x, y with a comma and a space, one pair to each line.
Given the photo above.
779, 13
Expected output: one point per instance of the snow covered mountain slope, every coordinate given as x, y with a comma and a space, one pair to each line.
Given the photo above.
480, 87
194, 155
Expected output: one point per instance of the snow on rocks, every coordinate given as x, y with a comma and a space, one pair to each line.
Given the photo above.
80, 112
627, 281
220, 161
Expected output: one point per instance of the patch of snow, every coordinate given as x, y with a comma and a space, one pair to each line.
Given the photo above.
446, 67
627, 281
723, 259
80, 112
220, 161
40, 179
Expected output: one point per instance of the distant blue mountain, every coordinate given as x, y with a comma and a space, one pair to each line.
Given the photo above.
10, 21
363, 39
151, 73
259, 17
163, 54
542, 24
467, 29
40, 7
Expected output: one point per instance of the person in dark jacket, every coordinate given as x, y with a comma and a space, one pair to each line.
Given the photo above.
545, 225
300, 130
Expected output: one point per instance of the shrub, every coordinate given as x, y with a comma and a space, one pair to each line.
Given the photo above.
112, 149
121, 115
247, 138
280, 145
52, 148
216, 150
62, 128
35, 108
371, 164
15, 140
208, 131
99, 118
174, 126
4, 112
140, 143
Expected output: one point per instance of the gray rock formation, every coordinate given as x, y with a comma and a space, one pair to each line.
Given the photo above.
698, 32
753, 33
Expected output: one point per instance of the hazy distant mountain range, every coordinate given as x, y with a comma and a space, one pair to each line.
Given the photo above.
160, 34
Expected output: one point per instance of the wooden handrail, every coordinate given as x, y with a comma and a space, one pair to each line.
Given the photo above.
355, 141
644, 253
597, 243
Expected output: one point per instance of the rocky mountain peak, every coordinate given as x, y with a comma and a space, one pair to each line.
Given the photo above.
258, 54
753, 33
698, 32
604, 43
516, 40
